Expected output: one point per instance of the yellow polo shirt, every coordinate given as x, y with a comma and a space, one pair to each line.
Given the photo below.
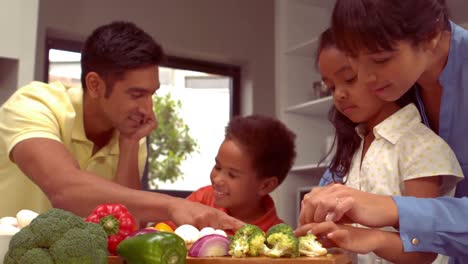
53, 111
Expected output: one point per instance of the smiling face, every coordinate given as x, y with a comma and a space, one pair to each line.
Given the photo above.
130, 102
234, 180
351, 98
390, 74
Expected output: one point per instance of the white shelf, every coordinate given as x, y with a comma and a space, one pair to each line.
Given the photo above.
316, 108
310, 169
306, 49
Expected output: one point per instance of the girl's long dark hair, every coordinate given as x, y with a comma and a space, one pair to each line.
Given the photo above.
347, 141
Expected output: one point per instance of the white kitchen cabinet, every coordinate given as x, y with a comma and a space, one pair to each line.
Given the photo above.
298, 24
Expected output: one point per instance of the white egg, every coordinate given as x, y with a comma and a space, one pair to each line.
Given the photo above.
188, 233
207, 231
220, 232
8, 229
25, 217
9, 220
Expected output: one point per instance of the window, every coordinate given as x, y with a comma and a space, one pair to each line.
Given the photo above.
209, 92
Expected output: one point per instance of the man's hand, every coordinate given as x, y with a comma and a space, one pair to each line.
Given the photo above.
147, 125
337, 202
127, 173
186, 212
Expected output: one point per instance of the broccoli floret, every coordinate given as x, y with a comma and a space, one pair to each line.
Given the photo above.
61, 235
247, 241
52, 225
309, 246
280, 228
281, 245
77, 246
37, 255
247, 230
256, 242
281, 242
20, 243
238, 247
97, 234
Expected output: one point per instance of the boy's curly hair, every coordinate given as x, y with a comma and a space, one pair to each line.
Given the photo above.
269, 143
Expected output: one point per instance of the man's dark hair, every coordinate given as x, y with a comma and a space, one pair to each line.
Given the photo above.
115, 48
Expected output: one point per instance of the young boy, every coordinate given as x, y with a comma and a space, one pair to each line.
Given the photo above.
254, 158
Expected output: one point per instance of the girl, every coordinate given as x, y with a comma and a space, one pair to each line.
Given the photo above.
382, 147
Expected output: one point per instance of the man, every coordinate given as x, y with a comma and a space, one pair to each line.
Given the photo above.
75, 148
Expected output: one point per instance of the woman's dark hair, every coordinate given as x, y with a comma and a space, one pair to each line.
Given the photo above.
376, 25
268, 142
115, 48
347, 141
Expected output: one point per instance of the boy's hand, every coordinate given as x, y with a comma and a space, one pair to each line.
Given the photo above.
337, 202
186, 212
354, 239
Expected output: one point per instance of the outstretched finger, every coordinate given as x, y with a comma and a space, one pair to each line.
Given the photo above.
307, 213
322, 229
303, 230
229, 223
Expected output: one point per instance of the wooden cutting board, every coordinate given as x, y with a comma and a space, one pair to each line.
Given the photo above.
336, 258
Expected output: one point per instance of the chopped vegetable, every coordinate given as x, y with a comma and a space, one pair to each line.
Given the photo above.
281, 242
210, 246
188, 233
309, 246
153, 248
247, 241
61, 236
116, 221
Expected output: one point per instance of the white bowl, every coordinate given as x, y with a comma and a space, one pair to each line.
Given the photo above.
4, 242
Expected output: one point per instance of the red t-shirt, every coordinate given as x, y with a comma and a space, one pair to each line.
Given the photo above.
205, 195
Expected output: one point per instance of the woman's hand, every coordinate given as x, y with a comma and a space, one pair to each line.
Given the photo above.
340, 203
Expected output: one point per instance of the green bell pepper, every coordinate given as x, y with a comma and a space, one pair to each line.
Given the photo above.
153, 248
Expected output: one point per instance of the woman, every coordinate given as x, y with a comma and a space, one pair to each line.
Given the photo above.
394, 45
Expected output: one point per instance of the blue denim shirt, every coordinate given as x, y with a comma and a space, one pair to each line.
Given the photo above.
440, 224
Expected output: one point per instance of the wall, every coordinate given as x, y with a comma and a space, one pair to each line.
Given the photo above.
237, 32
18, 24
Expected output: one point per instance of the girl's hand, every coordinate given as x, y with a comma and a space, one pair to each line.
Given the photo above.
353, 239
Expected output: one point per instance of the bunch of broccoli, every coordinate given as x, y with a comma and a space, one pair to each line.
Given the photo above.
279, 241
59, 237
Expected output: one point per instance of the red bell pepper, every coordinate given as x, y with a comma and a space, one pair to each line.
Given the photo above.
116, 221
